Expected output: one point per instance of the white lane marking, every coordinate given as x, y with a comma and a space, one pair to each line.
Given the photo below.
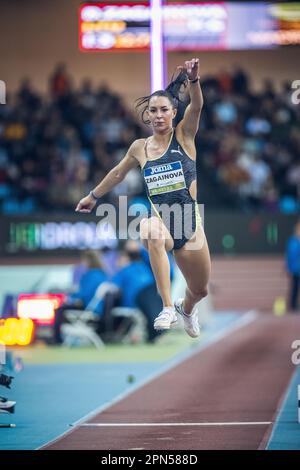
237, 423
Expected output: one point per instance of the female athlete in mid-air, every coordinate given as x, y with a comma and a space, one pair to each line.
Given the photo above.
168, 163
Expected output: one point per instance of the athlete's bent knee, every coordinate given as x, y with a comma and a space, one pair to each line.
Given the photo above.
151, 230
199, 293
144, 229
156, 239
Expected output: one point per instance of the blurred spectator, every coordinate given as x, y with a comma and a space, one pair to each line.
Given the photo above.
59, 82
136, 286
240, 81
28, 98
225, 111
133, 276
259, 175
225, 81
293, 267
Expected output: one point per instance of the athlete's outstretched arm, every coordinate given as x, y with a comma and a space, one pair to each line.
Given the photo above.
114, 177
190, 121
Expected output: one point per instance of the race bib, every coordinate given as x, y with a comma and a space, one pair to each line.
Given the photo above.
164, 178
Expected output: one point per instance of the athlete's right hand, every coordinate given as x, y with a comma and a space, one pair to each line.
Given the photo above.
86, 204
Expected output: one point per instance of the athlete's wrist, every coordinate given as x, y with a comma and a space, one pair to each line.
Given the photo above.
93, 196
194, 80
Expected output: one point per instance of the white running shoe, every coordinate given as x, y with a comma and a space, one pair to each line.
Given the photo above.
165, 319
7, 406
191, 322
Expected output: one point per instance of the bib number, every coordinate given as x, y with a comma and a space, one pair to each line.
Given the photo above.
165, 178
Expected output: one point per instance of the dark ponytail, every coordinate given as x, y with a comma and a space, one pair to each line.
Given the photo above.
172, 92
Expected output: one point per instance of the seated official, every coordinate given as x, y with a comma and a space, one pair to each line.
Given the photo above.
89, 282
136, 287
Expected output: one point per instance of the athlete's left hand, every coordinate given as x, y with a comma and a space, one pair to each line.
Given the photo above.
191, 67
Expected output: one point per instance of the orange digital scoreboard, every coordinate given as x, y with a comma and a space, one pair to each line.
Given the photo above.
114, 27
189, 26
